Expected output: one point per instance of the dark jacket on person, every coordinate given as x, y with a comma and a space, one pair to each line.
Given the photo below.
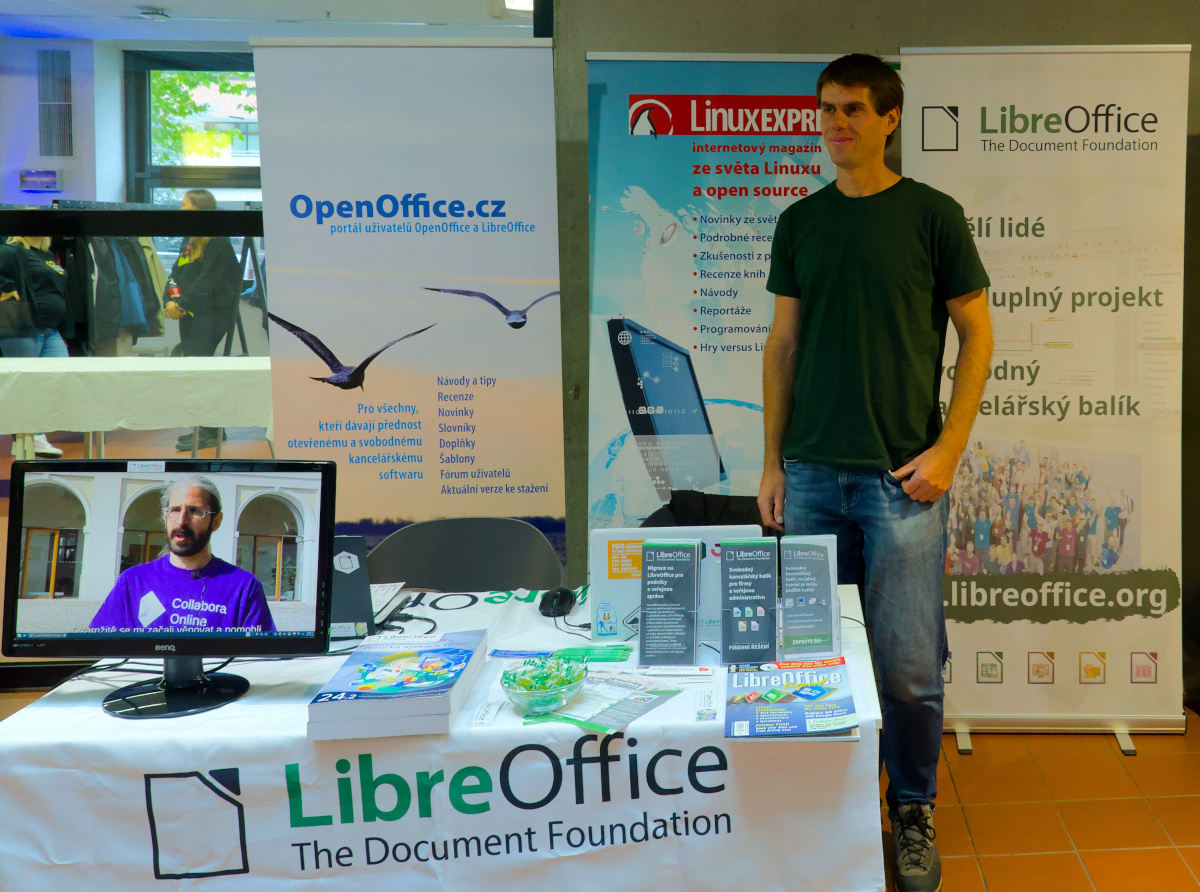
40, 283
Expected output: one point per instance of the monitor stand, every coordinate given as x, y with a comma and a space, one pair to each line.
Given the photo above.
183, 689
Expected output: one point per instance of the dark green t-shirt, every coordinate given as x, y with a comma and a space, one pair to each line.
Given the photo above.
873, 275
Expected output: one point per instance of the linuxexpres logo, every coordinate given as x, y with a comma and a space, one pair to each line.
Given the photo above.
530, 777
721, 115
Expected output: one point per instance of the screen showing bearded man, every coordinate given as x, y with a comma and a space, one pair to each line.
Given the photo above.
187, 588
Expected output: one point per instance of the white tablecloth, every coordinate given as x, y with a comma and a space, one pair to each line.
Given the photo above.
135, 393
95, 802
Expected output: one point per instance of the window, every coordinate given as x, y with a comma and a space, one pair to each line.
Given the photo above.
268, 545
191, 123
53, 540
143, 535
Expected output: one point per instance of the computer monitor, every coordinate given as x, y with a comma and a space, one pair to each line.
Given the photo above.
178, 559
665, 409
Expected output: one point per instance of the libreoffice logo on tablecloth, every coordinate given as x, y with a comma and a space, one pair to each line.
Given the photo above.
939, 128
197, 829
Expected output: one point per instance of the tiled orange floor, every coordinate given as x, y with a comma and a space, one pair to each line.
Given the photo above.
1062, 812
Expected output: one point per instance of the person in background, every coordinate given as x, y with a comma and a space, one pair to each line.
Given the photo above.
34, 315
209, 278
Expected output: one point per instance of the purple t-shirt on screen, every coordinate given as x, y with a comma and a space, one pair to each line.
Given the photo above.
163, 597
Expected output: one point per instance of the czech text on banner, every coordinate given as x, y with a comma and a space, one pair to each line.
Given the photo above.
1062, 588
691, 161
411, 208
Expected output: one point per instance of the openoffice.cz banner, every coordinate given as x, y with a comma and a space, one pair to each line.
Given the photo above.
1074, 597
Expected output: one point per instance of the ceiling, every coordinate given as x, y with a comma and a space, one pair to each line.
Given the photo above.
240, 20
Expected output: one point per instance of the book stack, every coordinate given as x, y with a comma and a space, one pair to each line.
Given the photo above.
393, 685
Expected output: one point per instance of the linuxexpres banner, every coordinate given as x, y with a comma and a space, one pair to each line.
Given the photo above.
691, 161
409, 192
1062, 591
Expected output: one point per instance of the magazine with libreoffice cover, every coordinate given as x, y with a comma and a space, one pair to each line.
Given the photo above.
790, 699
98, 566
391, 676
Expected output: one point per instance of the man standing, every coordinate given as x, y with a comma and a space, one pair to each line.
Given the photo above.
186, 589
866, 274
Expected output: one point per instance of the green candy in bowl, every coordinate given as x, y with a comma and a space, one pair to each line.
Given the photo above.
543, 684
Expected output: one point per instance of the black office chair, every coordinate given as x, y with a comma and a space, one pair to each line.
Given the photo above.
467, 554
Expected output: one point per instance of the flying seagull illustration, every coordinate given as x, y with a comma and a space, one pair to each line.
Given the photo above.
514, 318
344, 376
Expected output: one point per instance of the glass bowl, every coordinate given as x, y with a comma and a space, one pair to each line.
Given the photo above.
538, 702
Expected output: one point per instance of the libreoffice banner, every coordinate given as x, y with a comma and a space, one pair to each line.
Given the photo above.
1062, 590
691, 160
410, 207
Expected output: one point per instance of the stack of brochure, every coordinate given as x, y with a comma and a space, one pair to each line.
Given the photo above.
398, 684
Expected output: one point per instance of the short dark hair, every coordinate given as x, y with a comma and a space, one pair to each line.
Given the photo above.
862, 70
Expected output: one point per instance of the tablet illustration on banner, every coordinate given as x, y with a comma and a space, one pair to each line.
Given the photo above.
344, 376
947, 672
1041, 667
989, 667
1092, 667
1143, 668
197, 829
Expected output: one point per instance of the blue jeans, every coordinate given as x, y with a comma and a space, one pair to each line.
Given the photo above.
894, 550
48, 342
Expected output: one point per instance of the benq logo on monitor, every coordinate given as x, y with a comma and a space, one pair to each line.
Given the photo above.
170, 647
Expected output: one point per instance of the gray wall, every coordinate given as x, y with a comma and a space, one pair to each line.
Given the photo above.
874, 26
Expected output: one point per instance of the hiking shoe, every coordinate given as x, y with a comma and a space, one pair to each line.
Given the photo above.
918, 867
208, 439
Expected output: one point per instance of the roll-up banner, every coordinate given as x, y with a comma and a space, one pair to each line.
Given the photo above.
691, 159
410, 209
1062, 589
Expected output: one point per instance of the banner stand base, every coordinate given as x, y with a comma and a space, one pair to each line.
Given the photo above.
962, 726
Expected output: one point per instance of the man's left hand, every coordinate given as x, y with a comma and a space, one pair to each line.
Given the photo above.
930, 474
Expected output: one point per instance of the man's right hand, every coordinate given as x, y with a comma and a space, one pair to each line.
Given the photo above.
770, 497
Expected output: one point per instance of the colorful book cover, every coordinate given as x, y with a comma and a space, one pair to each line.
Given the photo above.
393, 676
799, 699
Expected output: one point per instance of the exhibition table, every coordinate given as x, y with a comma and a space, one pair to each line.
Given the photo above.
136, 393
91, 801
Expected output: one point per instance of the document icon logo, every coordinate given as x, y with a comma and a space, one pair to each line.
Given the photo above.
1041, 667
1143, 668
989, 667
1092, 667
197, 829
939, 128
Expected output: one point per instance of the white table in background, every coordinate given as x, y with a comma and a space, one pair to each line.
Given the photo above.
134, 393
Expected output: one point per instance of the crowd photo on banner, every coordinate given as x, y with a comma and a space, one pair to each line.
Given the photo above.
1020, 508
